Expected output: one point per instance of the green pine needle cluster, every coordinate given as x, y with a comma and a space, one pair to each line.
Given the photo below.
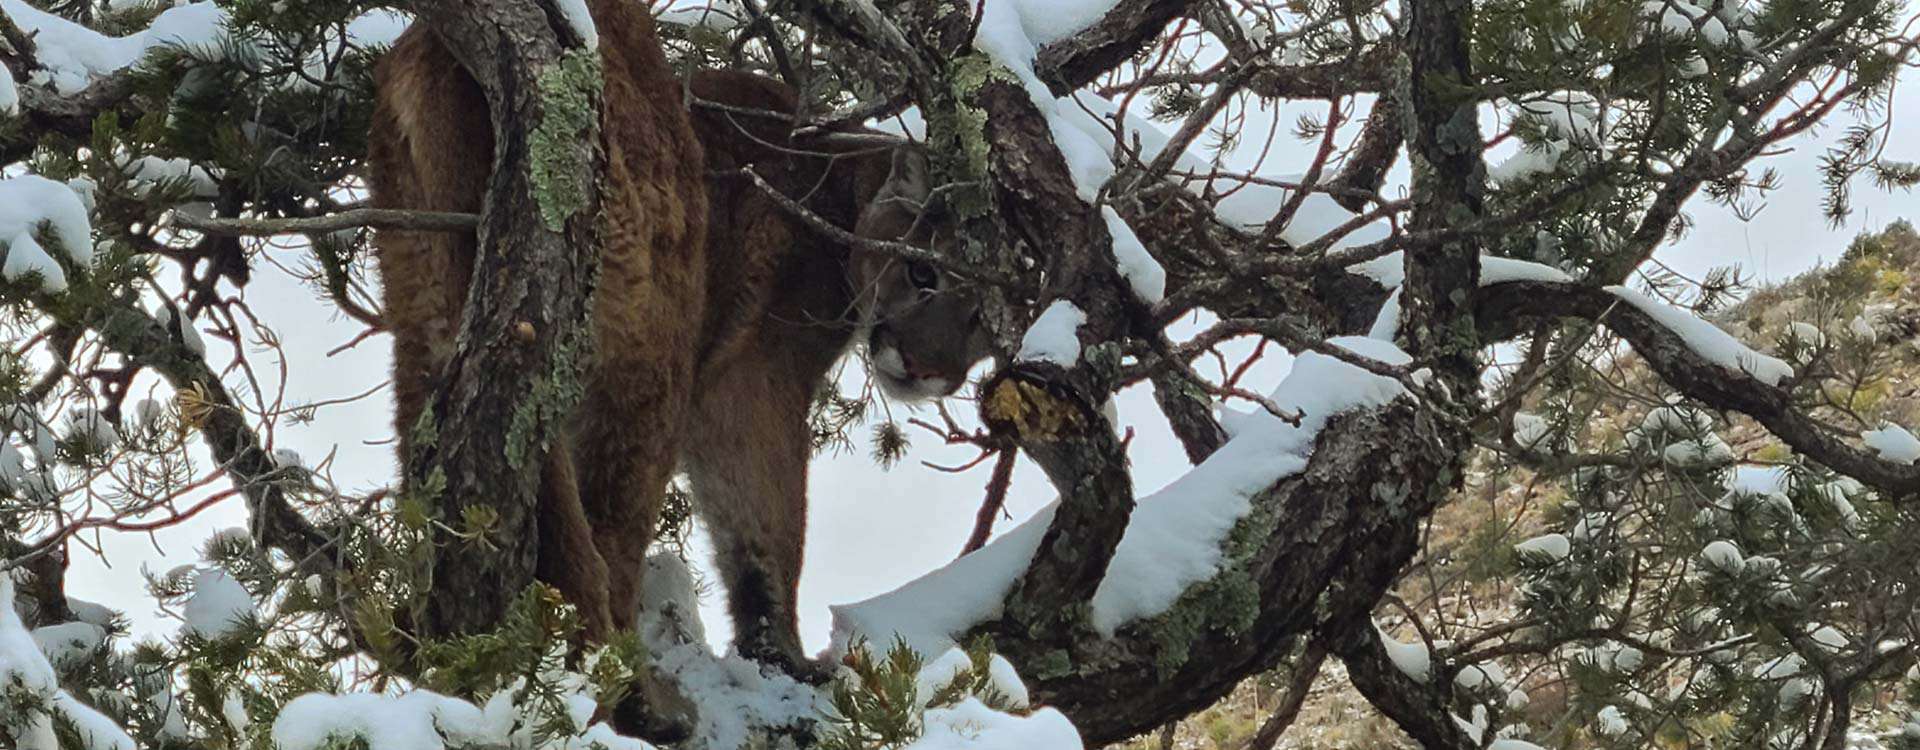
880, 707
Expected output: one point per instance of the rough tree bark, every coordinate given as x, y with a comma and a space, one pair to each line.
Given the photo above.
525, 322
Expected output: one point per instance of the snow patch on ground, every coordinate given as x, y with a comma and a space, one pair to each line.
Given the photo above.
1530, 431
1611, 721
1758, 481
1550, 546
1830, 638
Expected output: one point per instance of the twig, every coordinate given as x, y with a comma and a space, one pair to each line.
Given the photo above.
377, 218
995, 502
1289, 708
901, 249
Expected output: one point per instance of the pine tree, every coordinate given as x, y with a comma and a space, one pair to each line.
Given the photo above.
1692, 511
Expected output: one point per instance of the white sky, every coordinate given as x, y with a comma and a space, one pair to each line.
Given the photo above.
871, 529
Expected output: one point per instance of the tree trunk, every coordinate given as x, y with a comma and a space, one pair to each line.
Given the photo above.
526, 323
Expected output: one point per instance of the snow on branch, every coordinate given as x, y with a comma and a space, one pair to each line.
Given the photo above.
1707, 340
1704, 363
1175, 536
31, 695
72, 56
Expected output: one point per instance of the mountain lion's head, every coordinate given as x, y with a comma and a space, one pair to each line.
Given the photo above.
922, 322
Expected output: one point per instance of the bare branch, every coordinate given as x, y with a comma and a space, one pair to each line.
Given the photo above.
996, 500
819, 224
357, 218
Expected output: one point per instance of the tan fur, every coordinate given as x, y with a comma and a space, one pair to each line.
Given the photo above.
712, 328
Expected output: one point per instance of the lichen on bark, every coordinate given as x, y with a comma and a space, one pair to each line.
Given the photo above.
561, 145
553, 396
1228, 602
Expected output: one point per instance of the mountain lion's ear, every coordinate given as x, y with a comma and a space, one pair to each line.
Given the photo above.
897, 205
908, 180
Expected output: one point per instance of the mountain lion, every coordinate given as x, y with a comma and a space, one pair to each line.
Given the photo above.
717, 314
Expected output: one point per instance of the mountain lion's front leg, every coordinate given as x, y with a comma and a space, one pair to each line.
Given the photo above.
746, 454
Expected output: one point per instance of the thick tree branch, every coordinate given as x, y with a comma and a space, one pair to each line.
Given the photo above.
1075, 61
1053, 413
1190, 414
208, 407
1412, 705
1374, 154
1702, 380
1349, 517
1442, 131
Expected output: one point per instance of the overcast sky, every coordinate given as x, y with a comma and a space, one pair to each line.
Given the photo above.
873, 529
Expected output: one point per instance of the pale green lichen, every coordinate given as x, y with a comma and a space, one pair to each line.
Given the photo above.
551, 398
1050, 665
970, 74
960, 130
560, 144
1393, 493
425, 432
1104, 360
1229, 602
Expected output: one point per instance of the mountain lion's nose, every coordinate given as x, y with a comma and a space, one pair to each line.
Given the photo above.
918, 369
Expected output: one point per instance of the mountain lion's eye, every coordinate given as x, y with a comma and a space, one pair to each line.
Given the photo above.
923, 275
